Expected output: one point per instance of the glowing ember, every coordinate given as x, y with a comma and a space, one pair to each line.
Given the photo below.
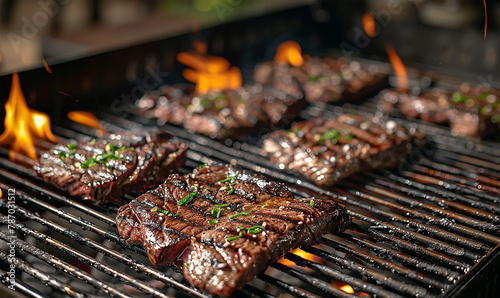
87, 119
305, 255
47, 68
347, 289
210, 73
398, 67
23, 126
485, 19
289, 52
369, 24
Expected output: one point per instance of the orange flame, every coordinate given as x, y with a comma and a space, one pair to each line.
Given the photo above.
47, 68
299, 252
87, 119
398, 67
289, 52
485, 19
23, 126
369, 24
210, 73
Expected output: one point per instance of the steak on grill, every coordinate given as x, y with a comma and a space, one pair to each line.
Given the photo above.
471, 113
220, 114
222, 226
322, 79
328, 150
103, 170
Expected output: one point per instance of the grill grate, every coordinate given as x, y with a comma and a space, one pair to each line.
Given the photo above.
417, 231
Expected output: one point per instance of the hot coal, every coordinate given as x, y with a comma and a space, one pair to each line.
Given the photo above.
220, 114
103, 170
322, 79
222, 226
328, 150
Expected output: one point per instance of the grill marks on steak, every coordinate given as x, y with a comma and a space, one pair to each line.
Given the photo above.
220, 114
328, 150
196, 237
472, 112
322, 79
103, 170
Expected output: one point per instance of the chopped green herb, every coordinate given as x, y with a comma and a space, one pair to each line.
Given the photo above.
231, 190
330, 134
312, 203
71, 146
483, 96
313, 78
186, 199
110, 147
212, 222
348, 137
122, 148
216, 211
90, 162
227, 179
186, 265
255, 229
458, 97
221, 205
202, 166
239, 214
352, 112
156, 209
235, 237
92, 142
177, 214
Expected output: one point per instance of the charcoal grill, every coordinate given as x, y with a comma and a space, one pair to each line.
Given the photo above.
429, 228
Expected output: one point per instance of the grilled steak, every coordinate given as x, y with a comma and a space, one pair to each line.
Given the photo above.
325, 79
103, 170
328, 150
222, 226
473, 113
219, 114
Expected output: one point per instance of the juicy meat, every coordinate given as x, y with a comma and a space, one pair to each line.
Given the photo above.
103, 170
473, 112
222, 226
322, 79
220, 114
328, 150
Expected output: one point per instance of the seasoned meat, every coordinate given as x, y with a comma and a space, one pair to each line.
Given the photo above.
328, 150
222, 226
471, 113
220, 114
322, 79
103, 170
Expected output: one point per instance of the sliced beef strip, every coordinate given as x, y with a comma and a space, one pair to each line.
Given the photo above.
103, 170
328, 150
220, 114
235, 225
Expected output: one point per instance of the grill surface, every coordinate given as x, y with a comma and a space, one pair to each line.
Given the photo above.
425, 229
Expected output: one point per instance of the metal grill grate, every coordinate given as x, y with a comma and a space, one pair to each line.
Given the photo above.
422, 230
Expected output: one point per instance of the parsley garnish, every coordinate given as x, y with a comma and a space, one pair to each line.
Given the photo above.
239, 214
349, 136
458, 97
330, 134
221, 205
227, 179
235, 237
186, 199
212, 222
312, 203
71, 146
156, 209
231, 190
255, 229
186, 265
217, 211
202, 166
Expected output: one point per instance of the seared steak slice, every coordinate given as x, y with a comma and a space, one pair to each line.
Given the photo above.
322, 79
220, 114
222, 226
103, 170
474, 112
328, 150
